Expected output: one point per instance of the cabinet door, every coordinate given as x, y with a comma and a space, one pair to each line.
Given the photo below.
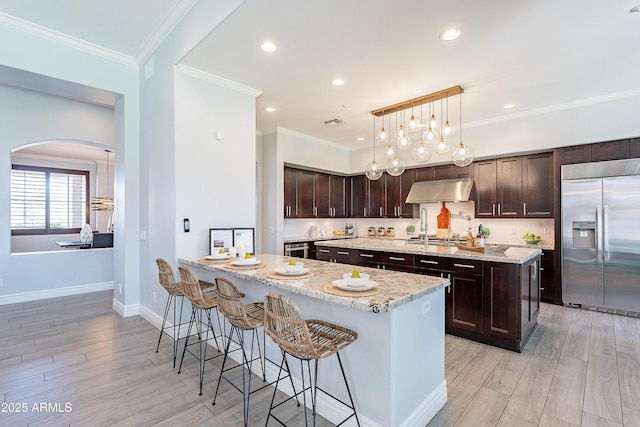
306, 190
424, 174
484, 178
407, 210
376, 198
500, 298
359, 196
392, 195
537, 185
290, 192
634, 148
575, 154
443, 172
464, 306
509, 186
549, 286
322, 206
610, 150
338, 196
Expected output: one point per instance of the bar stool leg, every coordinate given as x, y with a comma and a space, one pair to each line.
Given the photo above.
164, 320
353, 406
186, 341
176, 327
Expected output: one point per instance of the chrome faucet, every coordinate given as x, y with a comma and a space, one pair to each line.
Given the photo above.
424, 228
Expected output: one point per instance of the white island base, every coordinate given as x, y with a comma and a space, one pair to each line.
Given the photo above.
395, 368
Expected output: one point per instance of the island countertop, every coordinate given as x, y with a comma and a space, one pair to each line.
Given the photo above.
397, 288
513, 255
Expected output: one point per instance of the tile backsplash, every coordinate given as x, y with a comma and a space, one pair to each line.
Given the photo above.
503, 230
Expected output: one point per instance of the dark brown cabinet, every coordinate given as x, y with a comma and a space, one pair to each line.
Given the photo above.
376, 198
549, 281
309, 194
576, 154
384, 260
514, 187
340, 255
396, 192
359, 198
611, 150
382, 198
537, 185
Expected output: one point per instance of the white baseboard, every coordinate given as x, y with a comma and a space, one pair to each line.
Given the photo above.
54, 293
125, 310
428, 408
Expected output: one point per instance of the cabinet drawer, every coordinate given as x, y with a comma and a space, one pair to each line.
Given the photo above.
368, 258
465, 266
397, 259
430, 263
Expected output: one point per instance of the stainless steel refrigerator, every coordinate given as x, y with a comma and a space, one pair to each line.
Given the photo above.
601, 235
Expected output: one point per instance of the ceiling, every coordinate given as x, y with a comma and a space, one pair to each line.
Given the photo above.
540, 55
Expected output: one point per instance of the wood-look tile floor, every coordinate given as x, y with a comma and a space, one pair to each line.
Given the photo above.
80, 363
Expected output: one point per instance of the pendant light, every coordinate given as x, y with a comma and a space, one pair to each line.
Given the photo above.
447, 129
413, 123
422, 152
442, 146
105, 203
462, 156
432, 134
404, 140
395, 167
373, 171
382, 136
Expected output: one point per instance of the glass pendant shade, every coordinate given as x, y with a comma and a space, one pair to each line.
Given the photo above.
433, 122
390, 152
402, 132
382, 135
404, 142
395, 167
431, 135
448, 130
373, 171
421, 153
462, 155
413, 123
442, 146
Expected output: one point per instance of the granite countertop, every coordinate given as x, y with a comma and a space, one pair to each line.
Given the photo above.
397, 288
514, 255
314, 239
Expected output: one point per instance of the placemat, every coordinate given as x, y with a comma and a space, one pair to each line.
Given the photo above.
213, 261
330, 288
245, 267
276, 275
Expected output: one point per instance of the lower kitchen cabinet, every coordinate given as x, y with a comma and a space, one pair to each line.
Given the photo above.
490, 302
343, 256
549, 281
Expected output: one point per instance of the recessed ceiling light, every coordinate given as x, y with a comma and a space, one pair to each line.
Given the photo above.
359, 138
450, 34
507, 106
337, 82
268, 47
269, 109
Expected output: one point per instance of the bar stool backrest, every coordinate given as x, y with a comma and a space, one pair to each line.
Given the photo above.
285, 325
230, 304
191, 287
166, 278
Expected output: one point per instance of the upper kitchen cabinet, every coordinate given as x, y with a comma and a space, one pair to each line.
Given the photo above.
537, 185
514, 187
634, 148
359, 196
310, 194
443, 172
576, 154
396, 192
376, 197
612, 150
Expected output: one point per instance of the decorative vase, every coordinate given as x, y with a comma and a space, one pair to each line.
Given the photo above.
86, 235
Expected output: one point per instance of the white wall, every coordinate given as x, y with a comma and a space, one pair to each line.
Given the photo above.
54, 65
293, 148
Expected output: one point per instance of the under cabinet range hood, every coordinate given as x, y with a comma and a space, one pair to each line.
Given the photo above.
443, 190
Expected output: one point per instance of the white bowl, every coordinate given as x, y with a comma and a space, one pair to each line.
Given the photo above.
217, 255
356, 281
293, 268
248, 261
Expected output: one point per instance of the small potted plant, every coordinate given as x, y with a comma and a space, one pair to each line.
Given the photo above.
410, 229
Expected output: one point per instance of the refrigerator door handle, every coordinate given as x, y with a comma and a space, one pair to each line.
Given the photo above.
599, 233
605, 232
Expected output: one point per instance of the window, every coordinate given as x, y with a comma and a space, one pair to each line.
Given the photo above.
48, 200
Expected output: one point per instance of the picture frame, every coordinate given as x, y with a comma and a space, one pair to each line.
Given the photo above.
246, 236
220, 238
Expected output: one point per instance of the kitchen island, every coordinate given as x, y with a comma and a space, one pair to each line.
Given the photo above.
494, 298
396, 366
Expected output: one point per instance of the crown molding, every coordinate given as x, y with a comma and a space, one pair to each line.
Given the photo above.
221, 81
155, 39
555, 108
64, 39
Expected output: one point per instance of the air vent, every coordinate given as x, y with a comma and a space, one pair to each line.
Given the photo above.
333, 122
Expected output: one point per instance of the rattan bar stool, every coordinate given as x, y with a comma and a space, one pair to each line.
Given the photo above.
202, 302
174, 289
305, 340
243, 318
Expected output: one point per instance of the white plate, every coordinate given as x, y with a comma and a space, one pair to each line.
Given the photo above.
284, 272
343, 285
217, 256
241, 262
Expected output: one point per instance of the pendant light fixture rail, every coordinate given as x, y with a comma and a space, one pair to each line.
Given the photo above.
435, 96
